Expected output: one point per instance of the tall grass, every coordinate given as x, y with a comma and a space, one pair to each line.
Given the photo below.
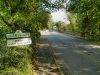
14, 60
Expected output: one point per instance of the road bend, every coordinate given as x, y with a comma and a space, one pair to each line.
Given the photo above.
74, 55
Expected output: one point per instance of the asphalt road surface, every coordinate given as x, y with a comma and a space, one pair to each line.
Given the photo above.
77, 56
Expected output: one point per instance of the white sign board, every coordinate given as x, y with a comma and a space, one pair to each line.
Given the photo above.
18, 38
17, 42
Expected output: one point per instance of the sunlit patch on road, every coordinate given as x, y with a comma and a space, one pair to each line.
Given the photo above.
98, 71
80, 52
42, 45
93, 46
58, 53
45, 32
88, 46
84, 52
58, 46
86, 69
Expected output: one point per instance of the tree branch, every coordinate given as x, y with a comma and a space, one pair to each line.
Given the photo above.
7, 23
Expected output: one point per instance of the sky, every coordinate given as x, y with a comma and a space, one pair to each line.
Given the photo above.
60, 15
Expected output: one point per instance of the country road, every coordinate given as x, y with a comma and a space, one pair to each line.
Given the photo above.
77, 56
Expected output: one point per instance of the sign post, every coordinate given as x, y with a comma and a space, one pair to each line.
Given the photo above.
18, 38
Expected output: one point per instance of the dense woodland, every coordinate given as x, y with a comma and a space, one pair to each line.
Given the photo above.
86, 18
34, 15
27, 16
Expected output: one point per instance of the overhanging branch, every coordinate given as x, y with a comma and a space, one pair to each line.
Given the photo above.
7, 23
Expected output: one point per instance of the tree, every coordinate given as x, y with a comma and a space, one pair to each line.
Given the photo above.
88, 15
24, 15
61, 26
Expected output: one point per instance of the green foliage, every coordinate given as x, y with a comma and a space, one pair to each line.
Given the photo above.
28, 16
61, 26
88, 17
84, 17
14, 60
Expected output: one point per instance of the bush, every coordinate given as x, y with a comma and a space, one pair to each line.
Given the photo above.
14, 60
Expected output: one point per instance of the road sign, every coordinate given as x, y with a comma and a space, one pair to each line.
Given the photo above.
17, 42
18, 34
18, 38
